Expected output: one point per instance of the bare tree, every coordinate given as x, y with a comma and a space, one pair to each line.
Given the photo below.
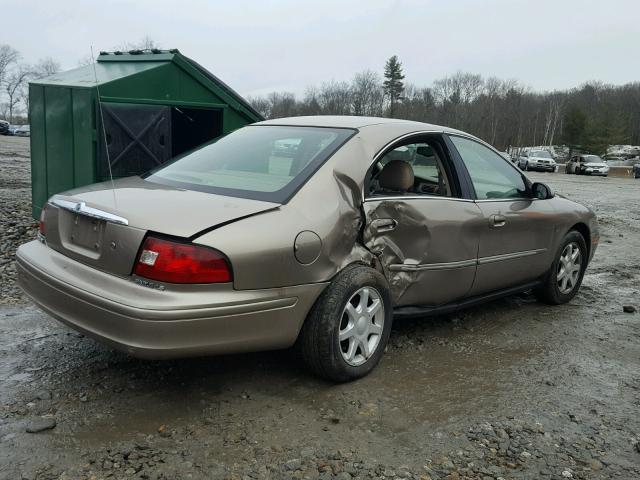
334, 98
145, 43
9, 57
261, 105
85, 61
45, 67
14, 84
367, 94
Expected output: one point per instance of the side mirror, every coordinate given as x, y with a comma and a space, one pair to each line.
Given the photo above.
541, 191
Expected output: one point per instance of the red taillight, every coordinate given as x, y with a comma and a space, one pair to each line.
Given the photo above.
41, 223
175, 262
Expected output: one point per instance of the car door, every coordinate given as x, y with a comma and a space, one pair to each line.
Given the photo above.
524, 157
515, 241
427, 238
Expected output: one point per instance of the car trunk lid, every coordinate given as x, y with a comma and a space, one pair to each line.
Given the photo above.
104, 226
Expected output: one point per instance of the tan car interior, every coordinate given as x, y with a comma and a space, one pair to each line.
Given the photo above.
411, 169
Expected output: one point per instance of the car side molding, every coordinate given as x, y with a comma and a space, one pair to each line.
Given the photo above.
403, 267
426, 311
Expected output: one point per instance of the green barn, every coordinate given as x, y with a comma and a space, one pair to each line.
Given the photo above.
154, 105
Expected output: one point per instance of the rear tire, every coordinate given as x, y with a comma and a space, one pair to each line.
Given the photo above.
341, 340
563, 280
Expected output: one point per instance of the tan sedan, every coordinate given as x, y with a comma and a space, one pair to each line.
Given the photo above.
315, 231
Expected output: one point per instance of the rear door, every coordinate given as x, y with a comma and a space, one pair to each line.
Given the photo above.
516, 238
425, 238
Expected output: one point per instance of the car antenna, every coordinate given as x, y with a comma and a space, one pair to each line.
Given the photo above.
104, 132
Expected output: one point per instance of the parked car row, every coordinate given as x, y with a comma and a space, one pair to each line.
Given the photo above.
17, 130
542, 160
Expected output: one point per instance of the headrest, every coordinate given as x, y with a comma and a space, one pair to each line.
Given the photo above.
397, 176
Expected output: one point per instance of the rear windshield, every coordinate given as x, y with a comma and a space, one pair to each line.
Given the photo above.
540, 154
263, 162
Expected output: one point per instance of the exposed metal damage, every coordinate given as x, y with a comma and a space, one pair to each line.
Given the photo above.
386, 248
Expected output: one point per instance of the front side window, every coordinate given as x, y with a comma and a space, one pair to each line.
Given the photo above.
491, 175
265, 162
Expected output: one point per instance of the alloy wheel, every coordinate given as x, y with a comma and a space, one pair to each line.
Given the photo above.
569, 268
361, 326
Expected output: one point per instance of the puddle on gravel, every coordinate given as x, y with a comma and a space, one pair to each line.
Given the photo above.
405, 392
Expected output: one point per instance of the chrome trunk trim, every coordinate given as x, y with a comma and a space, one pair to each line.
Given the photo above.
82, 209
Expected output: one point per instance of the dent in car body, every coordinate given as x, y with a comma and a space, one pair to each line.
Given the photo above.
428, 258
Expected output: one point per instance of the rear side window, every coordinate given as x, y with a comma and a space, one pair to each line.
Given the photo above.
260, 162
492, 176
427, 165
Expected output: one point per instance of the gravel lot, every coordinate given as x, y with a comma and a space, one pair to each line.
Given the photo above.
511, 389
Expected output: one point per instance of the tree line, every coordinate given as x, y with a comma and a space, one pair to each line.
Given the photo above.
503, 112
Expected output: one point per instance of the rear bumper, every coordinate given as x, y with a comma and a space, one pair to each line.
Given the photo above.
179, 321
543, 168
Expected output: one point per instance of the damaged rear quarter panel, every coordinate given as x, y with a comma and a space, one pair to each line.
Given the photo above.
261, 248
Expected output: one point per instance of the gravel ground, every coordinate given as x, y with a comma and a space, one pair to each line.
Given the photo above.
16, 223
511, 389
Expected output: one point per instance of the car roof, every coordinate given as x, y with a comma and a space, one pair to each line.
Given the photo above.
347, 121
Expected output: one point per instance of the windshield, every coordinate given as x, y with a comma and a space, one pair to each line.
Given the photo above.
260, 162
592, 158
540, 154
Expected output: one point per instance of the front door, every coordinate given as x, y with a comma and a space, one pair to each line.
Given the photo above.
426, 235
515, 241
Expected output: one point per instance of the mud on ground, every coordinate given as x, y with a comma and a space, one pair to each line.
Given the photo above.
510, 389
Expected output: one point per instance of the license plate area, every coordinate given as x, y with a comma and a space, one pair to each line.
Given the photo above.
86, 233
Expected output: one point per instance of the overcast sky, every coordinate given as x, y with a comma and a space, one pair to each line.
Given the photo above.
261, 46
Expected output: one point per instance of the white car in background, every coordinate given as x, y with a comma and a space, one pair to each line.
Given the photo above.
539, 160
587, 165
23, 131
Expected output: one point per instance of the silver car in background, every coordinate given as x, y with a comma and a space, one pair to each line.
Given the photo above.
587, 165
538, 160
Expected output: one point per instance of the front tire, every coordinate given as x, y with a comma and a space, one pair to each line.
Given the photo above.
347, 329
563, 280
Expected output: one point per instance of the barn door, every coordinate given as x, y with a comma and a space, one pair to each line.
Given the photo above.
137, 138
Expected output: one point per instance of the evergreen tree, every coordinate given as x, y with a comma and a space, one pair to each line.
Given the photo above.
575, 123
393, 84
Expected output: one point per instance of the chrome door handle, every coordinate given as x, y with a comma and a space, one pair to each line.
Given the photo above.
498, 221
384, 224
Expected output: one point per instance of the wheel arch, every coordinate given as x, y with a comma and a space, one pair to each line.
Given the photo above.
583, 230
